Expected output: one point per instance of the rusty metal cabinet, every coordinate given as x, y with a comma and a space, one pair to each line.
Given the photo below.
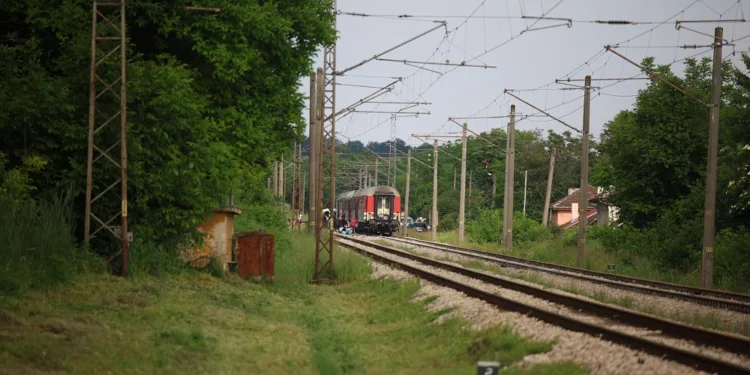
255, 255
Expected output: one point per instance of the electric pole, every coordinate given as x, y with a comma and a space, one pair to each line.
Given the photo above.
282, 184
525, 182
408, 183
462, 199
376, 171
302, 195
105, 106
584, 203
547, 197
276, 179
295, 188
434, 218
313, 151
709, 217
510, 180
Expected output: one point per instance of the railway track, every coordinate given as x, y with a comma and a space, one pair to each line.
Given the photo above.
713, 298
726, 342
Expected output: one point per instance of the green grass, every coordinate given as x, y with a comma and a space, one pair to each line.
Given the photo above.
37, 246
195, 323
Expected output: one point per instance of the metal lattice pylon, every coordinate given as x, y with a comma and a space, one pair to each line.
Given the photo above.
324, 244
107, 104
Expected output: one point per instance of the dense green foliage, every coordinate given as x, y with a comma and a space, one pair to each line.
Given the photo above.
655, 158
485, 228
211, 99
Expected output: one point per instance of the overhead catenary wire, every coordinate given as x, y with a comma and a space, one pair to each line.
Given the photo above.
414, 84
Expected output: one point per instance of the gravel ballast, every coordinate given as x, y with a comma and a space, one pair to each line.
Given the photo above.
669, 308
598, 356
549, 306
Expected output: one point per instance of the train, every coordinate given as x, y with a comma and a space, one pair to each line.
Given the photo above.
377, 210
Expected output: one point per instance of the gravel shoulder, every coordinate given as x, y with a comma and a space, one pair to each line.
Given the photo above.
678, 310
651, 335
598, 356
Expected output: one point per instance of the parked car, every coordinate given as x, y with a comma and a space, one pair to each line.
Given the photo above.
420, 227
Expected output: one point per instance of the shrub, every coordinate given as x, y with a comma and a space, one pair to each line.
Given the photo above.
570, 236
526, 230
614, 239
487, 226
147, 258
448, 222
732, 259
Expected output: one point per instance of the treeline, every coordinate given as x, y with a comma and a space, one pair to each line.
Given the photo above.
652, 157
212, 100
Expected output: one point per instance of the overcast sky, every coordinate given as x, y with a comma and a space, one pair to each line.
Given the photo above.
532, 59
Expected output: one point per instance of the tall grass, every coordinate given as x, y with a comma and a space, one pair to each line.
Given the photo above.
37, 246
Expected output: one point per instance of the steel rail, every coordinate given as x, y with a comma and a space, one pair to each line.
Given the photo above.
699, 361
727, 300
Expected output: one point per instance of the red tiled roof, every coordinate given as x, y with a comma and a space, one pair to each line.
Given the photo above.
566, 203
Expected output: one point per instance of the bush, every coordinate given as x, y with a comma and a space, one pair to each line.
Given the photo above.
624, 241
147, 258
487, 227
526, 230
448, 222
37, 246
732, 259
675, 241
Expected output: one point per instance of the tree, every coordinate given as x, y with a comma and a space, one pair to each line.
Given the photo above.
212, 98
655, 154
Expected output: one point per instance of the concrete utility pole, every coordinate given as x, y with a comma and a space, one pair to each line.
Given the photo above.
282, 183
584, 203
709, 217
408, 183
313, 150
462, 200
376, 172
302, 193
434, 219
276, 179
510, 180
295, 189
547, 197
525, 183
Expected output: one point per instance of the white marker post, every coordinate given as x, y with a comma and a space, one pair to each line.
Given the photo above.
488, 368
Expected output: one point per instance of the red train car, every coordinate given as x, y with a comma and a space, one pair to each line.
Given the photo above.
377, 209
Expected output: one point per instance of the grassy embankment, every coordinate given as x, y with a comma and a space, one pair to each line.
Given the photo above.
195, 322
